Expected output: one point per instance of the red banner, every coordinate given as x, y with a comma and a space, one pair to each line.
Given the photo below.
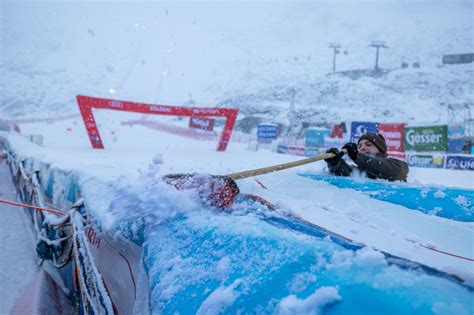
86, 104
393, 134
337, 131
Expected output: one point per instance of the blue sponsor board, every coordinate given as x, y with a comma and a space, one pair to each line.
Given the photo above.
455, 138
266, 133
358, 128
282, 149
460, 162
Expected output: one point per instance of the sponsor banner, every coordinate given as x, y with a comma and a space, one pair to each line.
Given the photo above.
397, 155
358, 128
426, 160
427, 138
282, 149
334, 142
202, 123
294, 150
315, 137
455, 138
266, 133
393, 134
338, 130
460, 162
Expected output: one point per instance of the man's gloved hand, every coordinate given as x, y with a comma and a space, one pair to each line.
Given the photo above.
336, 158
352, 151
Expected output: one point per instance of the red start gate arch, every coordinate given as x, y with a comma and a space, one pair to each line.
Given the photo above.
87, 103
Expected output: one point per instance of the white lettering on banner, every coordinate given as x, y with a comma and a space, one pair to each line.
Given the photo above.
391, 134
116, 104
205, 111
462, 164
92, 237
201, 123
465, 164
414, 159
393, 143
414, 139
161, 109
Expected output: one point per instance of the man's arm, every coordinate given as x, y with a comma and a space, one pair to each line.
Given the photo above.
380, 167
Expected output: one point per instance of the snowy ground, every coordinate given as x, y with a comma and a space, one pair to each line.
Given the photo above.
131, 150
18, 262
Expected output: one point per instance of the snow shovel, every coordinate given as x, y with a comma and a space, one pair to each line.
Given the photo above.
220, 190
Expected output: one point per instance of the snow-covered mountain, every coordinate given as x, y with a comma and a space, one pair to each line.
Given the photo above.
270, 59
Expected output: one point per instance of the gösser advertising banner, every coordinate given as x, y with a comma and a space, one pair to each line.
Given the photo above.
430, 138
426, 160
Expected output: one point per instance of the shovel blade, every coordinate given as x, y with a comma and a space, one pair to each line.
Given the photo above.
214, 190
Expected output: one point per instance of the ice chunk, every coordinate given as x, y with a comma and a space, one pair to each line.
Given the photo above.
439, 194
219, 299
311, 305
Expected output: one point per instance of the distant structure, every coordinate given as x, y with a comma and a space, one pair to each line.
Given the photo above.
416, 63
377, 44
461, 113
335, 47
403, 63
458, 58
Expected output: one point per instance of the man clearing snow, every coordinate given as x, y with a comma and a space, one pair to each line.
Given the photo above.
370, 156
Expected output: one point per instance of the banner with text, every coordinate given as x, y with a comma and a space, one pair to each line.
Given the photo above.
455, 138
426, 160
315, 137
358, 128
203, 123
393, 134
266, 133
426, 138
460, 162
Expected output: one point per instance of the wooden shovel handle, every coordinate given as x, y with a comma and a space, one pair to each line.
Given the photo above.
279, 167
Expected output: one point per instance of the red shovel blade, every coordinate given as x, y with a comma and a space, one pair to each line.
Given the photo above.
214, 190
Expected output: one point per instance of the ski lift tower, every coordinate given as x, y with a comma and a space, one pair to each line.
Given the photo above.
377, 44
460, 113
335, 47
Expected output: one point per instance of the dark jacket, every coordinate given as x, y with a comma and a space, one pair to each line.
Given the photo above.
376, 166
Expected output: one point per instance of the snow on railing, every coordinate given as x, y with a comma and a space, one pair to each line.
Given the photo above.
95, 297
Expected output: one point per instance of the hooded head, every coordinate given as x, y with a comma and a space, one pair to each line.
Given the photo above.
377, 140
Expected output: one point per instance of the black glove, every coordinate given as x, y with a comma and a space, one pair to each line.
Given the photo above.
352, 151
336, 158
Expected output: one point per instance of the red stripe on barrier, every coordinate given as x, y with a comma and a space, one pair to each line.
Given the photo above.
440, 251
32, 207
